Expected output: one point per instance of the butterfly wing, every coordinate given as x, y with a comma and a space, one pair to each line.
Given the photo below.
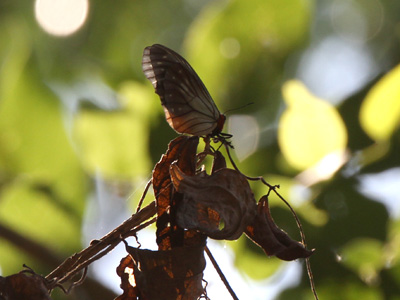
187, 104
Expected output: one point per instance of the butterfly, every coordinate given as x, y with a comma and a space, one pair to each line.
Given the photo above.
187, 104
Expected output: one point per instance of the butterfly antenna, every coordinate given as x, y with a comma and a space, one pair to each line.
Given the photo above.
240, 107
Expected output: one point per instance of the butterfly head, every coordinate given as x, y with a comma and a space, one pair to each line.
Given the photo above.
218, 135
220, 125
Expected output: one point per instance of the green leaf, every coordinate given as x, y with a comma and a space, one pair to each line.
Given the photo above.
116, 143
345, 290
364, 257
380, 111
309, 129
33, 140
251, 259
231, 44
35, 215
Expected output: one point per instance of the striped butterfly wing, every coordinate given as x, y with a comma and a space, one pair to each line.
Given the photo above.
187, 104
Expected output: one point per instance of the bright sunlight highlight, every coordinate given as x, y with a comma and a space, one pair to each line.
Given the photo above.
245, 131
380, 110
310, 128
324, 169
61, 17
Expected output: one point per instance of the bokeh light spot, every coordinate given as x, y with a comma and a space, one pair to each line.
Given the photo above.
355, 20
61, 17
230, 47
245, 131
380, 110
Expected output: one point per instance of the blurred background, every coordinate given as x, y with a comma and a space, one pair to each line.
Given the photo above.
81, 129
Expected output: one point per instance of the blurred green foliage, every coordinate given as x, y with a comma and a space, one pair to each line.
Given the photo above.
77, 106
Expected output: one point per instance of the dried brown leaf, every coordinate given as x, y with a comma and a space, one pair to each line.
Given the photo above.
183, 151
169, 275
274, 241
223, 199
218, 162
130, 292
22, 286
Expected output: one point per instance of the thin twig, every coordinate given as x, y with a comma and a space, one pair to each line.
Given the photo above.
79, 282
138, 228
298, 223
273, 188
144, 195
77, 267
221, 275
85, 263
311, 278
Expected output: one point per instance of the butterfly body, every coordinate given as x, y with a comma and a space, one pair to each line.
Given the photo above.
187, 104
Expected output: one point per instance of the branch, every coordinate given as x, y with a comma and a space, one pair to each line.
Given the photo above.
302, 234
98, 248
221, 274
30, 246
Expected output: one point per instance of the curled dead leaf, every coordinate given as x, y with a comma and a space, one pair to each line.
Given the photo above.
123, 271
220, 205
218, 162
274, 241
183, 151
